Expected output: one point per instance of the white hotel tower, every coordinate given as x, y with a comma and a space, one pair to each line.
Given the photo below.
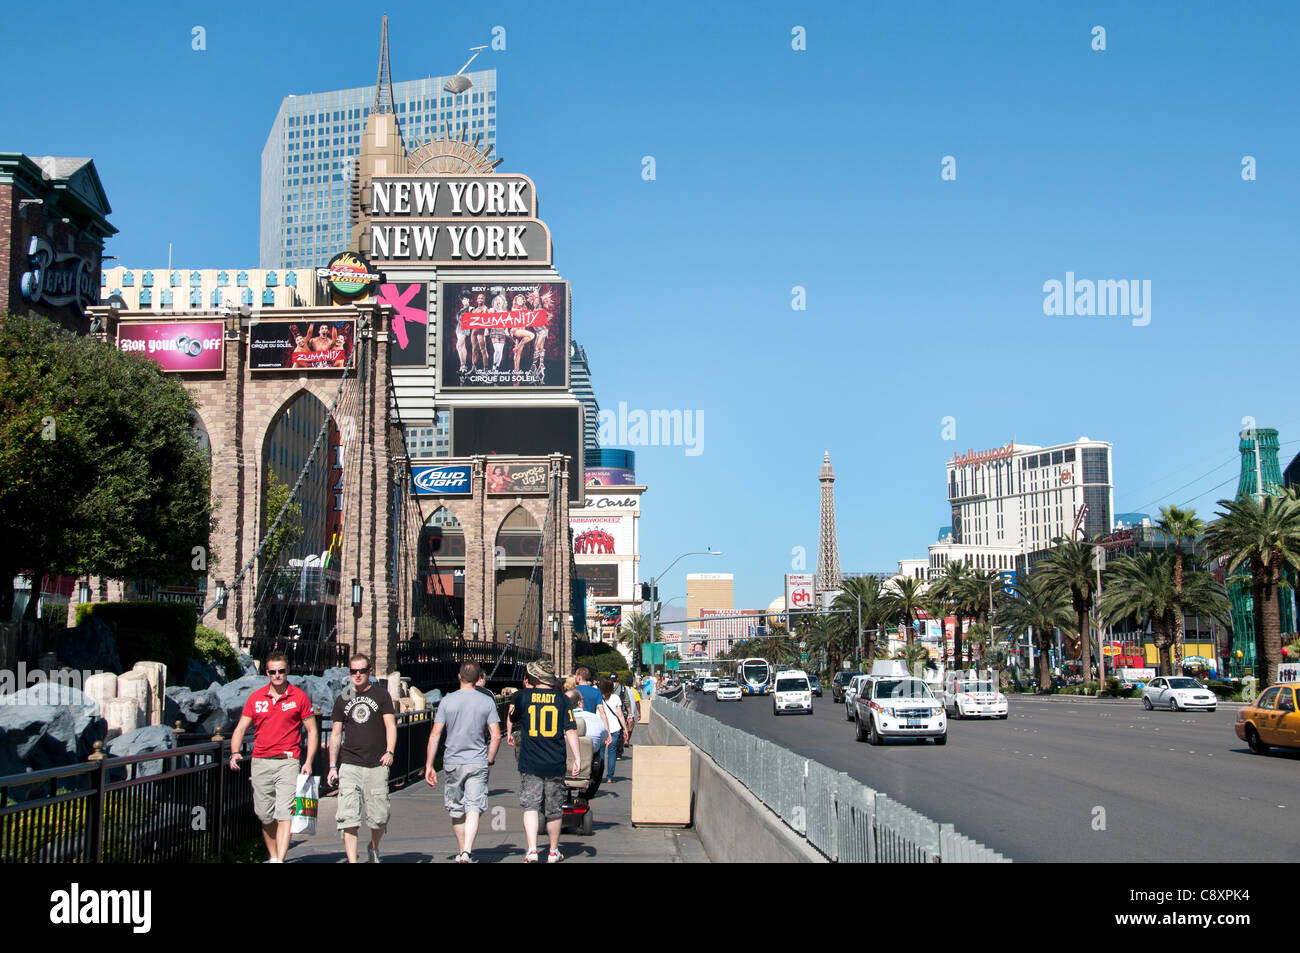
1012, 501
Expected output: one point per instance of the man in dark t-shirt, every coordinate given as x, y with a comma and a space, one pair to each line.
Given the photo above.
547, 727
365, 734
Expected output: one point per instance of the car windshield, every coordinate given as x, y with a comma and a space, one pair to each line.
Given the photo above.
902, 688
791, 685
975, 687
727, 683
846, 677
1184, 683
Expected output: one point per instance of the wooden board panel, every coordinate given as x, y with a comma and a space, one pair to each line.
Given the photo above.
661, 785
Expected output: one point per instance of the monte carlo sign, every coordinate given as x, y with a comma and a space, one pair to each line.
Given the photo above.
456, 220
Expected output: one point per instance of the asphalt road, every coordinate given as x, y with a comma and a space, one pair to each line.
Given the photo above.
1174, 786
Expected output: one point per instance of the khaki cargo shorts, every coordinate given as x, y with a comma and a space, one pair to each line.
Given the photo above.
275, 782
358, 784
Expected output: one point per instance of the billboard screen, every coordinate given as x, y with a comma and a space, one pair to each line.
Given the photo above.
610, 476
300, 345
504, 334
601, 534
451, 480
176, 346
522, 430
602, 580
408, 342
509, 479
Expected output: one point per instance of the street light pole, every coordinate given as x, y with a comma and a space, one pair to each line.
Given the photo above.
654, 590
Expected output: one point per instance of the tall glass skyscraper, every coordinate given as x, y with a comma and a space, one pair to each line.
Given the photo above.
307, 159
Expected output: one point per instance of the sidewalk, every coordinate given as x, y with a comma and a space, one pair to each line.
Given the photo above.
419, 830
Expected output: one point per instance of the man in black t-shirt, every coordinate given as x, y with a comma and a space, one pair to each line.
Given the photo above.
365, 733
547, 726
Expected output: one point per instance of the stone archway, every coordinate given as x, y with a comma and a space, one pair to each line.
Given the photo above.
517, 544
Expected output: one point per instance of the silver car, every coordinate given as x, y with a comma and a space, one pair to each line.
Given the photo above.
1178, 693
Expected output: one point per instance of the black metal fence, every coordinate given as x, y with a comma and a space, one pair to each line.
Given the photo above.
435, 662
177, 806
306, 656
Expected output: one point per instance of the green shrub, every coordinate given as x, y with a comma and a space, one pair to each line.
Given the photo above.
600, 658
211, 646
149, 631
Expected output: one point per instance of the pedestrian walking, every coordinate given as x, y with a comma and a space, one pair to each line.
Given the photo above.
547, 726
361, 752
612, 706
277, 714
473, 730
633, 710
590, 693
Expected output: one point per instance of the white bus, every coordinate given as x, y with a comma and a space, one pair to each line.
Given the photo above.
754, 676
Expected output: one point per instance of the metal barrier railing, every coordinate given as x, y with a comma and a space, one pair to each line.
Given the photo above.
839, 816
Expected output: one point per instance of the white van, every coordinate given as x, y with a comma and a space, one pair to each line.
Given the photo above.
791, 692
969, 695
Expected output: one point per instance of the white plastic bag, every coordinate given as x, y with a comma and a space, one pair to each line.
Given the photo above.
305, 801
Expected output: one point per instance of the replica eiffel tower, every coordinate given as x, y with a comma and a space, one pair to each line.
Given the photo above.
828, 550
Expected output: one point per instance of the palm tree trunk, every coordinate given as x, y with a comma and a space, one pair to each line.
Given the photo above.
1044, 670
1268, 628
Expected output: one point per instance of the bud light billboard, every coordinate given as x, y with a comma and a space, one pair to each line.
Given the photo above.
441, 481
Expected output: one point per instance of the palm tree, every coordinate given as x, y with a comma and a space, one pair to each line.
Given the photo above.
1265, 535
1143, 585
953, 590
1179, 525
977, 638
1069, 568
914, 656
635, 632
906, 597
1035, 606
877, 608
825, 633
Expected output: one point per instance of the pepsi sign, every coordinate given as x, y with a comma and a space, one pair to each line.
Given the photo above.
441, 481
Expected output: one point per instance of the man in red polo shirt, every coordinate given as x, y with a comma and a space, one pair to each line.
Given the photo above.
275, 713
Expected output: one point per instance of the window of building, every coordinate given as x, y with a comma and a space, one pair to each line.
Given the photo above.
268, 297
128, 279
216, 297
270, 278
146, 280
176, 279
242, 279
1094, 466
166, 297
196, 298
1058, 456
223, 279
146, 298
246, 296
291, 279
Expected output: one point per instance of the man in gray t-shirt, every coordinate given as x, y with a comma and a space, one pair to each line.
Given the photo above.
473, 736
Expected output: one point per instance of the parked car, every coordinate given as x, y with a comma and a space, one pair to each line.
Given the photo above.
816, 684
1274, 719
728, 690
839, 683
899, 708
1178, 693
851, 693
792, 693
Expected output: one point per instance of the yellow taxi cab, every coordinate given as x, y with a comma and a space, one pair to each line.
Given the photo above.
1273, 720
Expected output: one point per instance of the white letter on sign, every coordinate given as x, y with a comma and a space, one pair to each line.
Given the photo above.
515, 237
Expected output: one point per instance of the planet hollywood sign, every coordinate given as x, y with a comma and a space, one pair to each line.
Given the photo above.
457, 220
983, 456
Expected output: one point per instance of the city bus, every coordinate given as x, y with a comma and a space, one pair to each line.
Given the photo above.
754, 676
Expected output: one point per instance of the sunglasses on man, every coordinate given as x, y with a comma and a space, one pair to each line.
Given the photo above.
359, 671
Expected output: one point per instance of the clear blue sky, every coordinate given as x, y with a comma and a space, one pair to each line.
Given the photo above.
777, 168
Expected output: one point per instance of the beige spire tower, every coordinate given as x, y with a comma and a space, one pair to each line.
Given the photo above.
382, 150
828, 550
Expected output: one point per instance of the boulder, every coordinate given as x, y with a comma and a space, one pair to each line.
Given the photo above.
34, 737
142, 741
53, 693
231, 698
246, 664
322, 699
433, 697
90, 647
337, 679
200, 675
393, 682
196, 711
101, 687
417, 700
156, 673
